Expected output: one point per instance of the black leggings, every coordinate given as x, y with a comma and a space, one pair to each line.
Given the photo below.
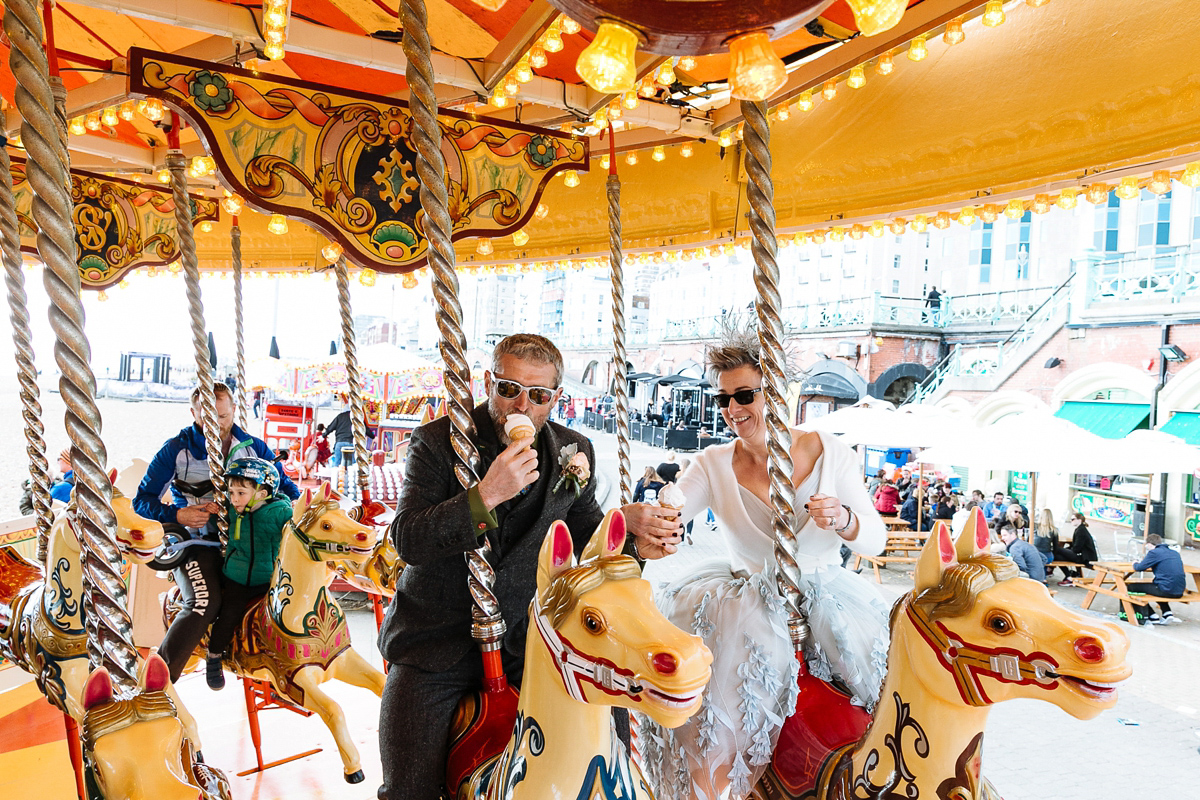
199, 582
1146, 587
234, 599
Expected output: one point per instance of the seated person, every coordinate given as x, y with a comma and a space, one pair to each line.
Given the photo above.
908, 513
61, 490
887, 498
1081, 550
1169, 579
1022, 552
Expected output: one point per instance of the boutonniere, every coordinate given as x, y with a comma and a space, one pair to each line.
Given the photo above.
575, 469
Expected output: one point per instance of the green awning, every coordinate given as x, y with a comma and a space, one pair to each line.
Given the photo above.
1185, 425
1110, 420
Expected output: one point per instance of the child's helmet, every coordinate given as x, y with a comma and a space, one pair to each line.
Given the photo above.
259, 470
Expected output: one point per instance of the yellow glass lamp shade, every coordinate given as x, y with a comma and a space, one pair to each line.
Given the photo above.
857, 78
102, 296
647, 88
920, 223
484, 248
967, 217
607, 64
1160, 182
665, 74
76, 126
1015, 209
537, 57
511, 85
954, 32
331, 252
92, 121
127, 110
659, 153
206, 226
1191, 175
409, 281
233, 204
898, 225
153, 110
1040, 204
273, 51
725, 137
109, 116
800, 238
685, 151
755, 71
523, 72
1068, 198
829, 90
918, 49
553, 42
818, 237
989, 212
782, 114
605, 161
571, 179
630, 100
498, 99
942, 220
877, 228
1097, 194
805, 101
520, 238
367, 277
687, 63
570, 26
631, 158
993, 13
857, 232
163, 175
886, 65
876, 16
541, 211
278, 224
1128, 188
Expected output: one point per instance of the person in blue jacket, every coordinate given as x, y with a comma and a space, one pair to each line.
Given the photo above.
62, 488
1169, 579
182, 466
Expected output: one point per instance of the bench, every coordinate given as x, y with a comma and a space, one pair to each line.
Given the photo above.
877, 561
1110, 581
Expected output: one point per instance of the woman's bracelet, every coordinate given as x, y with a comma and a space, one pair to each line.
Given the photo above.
849, 521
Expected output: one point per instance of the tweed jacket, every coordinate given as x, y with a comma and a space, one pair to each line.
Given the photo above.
428, 624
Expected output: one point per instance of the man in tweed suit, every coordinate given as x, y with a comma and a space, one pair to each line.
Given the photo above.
426, 634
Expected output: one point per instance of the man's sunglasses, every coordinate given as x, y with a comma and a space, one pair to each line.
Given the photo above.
538, 395
744, 397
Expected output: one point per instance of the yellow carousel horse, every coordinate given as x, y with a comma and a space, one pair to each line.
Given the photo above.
596, 640
296, 636
138, 747
970, 634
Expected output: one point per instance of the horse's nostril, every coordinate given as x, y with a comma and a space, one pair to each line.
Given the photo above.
137, 535
362, 537
1089, 649
665, 663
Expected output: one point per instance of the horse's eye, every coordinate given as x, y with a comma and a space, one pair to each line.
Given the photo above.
325, 526
593, 621
999, 622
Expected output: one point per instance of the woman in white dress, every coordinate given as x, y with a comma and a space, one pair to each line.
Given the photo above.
735, 606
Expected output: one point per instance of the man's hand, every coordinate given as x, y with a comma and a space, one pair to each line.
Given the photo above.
196, 516
656, 530
512, 471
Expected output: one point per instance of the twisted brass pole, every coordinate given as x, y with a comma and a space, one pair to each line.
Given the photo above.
620, 374
40, 102
239, 324
177, 163
488, 626
760, 194
18, 315
350, 350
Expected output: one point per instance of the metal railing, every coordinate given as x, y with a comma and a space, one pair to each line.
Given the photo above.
1164, 278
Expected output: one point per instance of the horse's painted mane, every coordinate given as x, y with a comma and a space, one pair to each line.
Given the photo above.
564, 591
960, 586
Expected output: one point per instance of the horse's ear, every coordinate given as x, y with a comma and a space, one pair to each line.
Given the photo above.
974, 537
112, 475
936, 556
557, 554
156, 676
98, 689
307, 497
609, 538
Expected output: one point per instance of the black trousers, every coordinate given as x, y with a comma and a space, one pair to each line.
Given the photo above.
234, 599
199, 582
1149, 588
1064, 554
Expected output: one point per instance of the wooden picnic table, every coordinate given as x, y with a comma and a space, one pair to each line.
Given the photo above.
894, 523
1116, 573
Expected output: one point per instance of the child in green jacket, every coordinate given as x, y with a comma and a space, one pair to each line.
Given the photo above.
256, 519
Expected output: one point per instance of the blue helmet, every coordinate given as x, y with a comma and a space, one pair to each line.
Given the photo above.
259, 470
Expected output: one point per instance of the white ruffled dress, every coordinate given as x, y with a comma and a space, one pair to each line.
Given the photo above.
735, 607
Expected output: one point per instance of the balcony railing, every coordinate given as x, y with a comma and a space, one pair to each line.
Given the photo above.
1166, 278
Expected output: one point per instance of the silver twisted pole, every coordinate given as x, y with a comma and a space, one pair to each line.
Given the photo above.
620, 374
239, 323
350, 350
177, 163
488, 626
40, 101
760, 194
18, 315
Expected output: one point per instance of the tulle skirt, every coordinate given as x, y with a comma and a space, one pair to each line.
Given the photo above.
723, 750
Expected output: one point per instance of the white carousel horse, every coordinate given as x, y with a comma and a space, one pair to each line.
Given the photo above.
137, 745
970, 634
596, 640
296, 637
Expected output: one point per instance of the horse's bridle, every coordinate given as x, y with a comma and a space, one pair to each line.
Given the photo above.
968, 663
314, 545
575, 666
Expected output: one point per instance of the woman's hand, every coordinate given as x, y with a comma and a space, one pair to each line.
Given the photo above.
830, 515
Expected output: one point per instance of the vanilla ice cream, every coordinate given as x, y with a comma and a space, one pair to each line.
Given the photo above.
518, 426
671, 496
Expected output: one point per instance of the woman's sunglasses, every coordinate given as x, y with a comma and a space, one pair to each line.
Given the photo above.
538, 395
744, 397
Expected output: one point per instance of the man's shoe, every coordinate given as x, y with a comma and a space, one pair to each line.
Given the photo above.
213, 674
1066, 582
1169, 617
1153, 618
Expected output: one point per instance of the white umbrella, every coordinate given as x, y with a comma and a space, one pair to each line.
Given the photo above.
1032, 441
1153, 451
882, 425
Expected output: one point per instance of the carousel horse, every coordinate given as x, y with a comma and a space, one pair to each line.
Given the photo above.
137, 746
970, 634
296, 636
596, 640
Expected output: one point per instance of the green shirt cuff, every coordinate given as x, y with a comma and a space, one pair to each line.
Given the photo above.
482, 520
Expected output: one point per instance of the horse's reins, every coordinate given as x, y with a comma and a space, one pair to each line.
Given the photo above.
312, 544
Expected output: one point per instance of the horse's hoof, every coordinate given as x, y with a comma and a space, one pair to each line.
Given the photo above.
356, 777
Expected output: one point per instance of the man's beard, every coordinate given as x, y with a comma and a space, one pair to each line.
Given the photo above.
498, 423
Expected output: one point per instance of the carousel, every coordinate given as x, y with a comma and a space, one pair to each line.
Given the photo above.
443, 139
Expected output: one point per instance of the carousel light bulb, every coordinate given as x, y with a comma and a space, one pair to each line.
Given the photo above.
800, 238
233, 205
76, 127
725, 137
885, 65
520, 238
273, 51
524, 72
993, 13
1160, 182
197, 168
857, 232
275, 36
631, 158
898, 225
275, 18
154, 110
630, 100
163, 175
409, 281
687, 63
877, 228
647, 88
685, 151
954, 32
210, 165
659, 153
782, 114
755, 71
1097, 194
818, 237
942, 220
206, 226
665, 74
920, 223
498, 99
537, 57
1015, 209
102, 295
966, 217
805, 101
829, 90
127, 110
857, 78
541, 211
918, 49
600, 118
989, 212
109, 116
1067, 198
876, 16
92, 121
367, 277
511, 85
615, 110
278, 224
484, 247
1040, 204
1191, 175
1128, 188
331, 252
605, 161
728, 248
553, 42
837, 235
571, 179
607, 64
570, 26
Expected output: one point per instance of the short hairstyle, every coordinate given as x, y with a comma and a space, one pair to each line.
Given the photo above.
1008, 527
998, 494
219, 390
736, 348
530, 347
1153, 538
242, 480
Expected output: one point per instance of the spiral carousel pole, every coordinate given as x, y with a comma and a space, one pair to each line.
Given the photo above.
176, 164
239, 324
760, 193
620, 373
488, 626
40, 101
18, 315
350, 349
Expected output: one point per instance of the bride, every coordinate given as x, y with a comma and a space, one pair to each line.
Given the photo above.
735, 606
